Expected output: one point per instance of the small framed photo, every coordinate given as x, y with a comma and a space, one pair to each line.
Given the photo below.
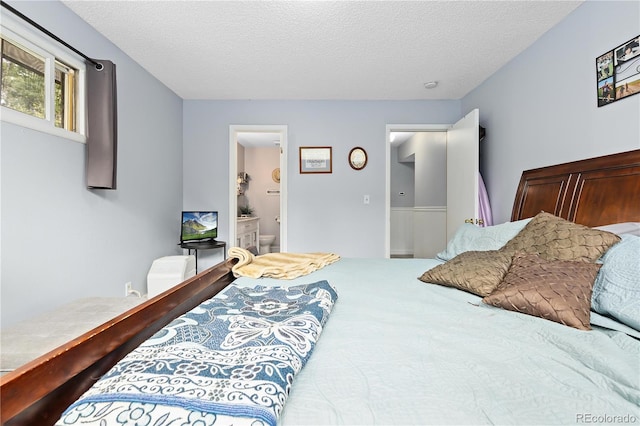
627, 51
606, 92
604, 65
315, 159
357, 158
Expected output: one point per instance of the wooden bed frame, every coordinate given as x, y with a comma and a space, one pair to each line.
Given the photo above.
596, 191
38, 392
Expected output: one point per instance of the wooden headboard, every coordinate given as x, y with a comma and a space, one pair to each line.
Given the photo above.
592, 192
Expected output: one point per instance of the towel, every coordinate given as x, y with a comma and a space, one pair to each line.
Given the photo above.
285, 266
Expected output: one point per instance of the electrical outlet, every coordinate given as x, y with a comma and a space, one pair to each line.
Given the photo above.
128, 288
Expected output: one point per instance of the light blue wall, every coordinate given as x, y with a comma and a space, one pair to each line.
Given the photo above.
428, 151
402, 179
61, 241
325, 211
540, 108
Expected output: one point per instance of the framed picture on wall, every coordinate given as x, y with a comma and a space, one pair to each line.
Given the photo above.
357, 158
604, 70
618, 72
315, 159
627, 68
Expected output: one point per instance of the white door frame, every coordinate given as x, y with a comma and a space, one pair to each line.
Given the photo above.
400, 128
280, 130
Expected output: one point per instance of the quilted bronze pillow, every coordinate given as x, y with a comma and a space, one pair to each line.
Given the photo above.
557, 290
554, 238
478, 272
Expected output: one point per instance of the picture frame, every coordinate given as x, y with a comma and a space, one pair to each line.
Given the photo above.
357, 158
315, 159
618, 72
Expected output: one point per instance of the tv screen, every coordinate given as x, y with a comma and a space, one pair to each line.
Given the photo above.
199, 226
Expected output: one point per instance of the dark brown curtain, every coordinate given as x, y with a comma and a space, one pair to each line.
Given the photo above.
102, 125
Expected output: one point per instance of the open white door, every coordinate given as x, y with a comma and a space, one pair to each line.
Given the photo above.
463, 152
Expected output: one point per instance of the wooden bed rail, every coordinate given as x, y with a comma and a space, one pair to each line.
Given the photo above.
38, 392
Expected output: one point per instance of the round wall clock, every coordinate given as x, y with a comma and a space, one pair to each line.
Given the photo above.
357, 158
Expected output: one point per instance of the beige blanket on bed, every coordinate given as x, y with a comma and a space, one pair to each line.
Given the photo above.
284, 266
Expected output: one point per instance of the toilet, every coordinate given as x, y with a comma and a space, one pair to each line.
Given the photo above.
265, 243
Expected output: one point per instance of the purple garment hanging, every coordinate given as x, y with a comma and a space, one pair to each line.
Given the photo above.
484, 206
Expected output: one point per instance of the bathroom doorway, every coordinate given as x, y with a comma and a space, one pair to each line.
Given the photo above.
258, 184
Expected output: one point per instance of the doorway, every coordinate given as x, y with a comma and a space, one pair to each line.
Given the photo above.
407, 211
462, 168
260, 137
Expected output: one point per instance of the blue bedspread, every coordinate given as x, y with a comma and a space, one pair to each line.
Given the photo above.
230, 360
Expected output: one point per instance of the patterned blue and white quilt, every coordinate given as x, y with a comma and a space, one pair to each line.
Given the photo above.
231, 360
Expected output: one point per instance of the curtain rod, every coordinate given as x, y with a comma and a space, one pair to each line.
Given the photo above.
98, 65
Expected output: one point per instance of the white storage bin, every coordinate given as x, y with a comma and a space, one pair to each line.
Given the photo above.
168, 271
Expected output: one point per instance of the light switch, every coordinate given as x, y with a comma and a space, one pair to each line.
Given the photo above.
366, 199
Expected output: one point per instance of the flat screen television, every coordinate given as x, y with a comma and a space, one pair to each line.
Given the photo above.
199, 226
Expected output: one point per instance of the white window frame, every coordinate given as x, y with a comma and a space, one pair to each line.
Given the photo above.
14, 30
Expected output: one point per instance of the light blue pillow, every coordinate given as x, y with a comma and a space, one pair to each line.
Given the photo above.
474, 238
632, 228
616, 291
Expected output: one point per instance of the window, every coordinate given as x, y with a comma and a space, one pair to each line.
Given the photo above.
41, 82
65, 102
22, 80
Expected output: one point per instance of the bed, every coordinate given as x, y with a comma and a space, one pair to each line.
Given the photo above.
33, 337
398, 350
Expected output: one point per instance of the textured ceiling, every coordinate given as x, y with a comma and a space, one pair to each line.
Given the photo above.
366, 50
